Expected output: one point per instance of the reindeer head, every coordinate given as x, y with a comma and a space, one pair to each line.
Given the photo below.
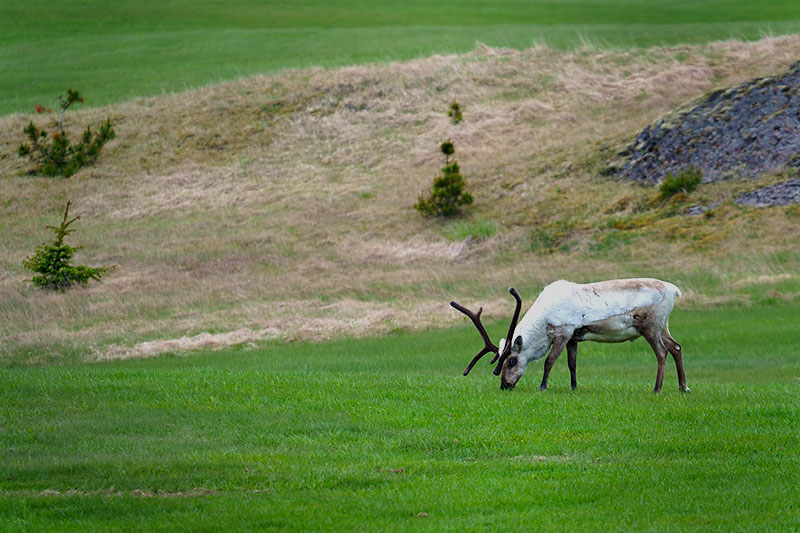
505, 364
515, 364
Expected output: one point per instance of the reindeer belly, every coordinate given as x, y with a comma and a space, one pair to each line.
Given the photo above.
618, 328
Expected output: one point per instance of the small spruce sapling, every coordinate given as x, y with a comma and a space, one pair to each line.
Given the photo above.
447, 149
59, 156
455, 113
448, 194
52, 262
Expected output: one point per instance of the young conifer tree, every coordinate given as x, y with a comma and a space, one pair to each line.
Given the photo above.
52, 263
58, 156
449, 190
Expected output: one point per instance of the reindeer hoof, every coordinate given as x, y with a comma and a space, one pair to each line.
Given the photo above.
686, 390
543, 388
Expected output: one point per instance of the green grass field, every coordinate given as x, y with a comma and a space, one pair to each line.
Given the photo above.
385, 434
115, 51
282, 205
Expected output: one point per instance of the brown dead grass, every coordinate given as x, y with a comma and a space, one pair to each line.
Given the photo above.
113, 492
279, 207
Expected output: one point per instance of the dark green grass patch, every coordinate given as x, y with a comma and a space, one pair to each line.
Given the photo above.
386, 434
114, 51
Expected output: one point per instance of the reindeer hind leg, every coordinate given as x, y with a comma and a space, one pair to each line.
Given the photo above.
677, 355
657, 344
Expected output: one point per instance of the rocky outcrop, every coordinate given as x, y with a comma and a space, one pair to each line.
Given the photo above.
784, 193
742, 131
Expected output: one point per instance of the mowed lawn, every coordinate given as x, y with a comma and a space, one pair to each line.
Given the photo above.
113, 50
385, 434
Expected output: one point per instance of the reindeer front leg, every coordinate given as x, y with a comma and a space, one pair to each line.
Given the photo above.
560, 339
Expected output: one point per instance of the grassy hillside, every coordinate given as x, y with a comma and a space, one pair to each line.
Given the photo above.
279, 207
116, 51
383, 434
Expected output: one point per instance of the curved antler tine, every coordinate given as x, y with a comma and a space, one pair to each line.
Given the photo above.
489, 346
513, 292
475, 360
507, 347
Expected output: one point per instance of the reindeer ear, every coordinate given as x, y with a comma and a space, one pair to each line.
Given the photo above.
518, 343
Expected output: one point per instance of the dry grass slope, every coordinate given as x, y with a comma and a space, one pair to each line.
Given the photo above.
280, 206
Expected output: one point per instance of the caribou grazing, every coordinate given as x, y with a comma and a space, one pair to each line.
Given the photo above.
567, 313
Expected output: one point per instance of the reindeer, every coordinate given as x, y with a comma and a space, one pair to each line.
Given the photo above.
567, 313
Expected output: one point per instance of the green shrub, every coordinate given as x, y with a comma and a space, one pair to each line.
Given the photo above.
685, 181
51, 262
58, 156
455, 113
448, 194
447, 149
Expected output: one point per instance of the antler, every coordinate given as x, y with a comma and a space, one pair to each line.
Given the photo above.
507, 347
489, 346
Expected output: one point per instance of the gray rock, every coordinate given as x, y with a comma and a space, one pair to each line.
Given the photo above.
700, 209
741, 131
784, 193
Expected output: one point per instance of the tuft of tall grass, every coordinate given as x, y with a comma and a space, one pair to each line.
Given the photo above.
478, 229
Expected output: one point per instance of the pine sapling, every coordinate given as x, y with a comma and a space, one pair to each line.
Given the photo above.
51, 262
447, 149
58, 156
448, 194
455, 113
